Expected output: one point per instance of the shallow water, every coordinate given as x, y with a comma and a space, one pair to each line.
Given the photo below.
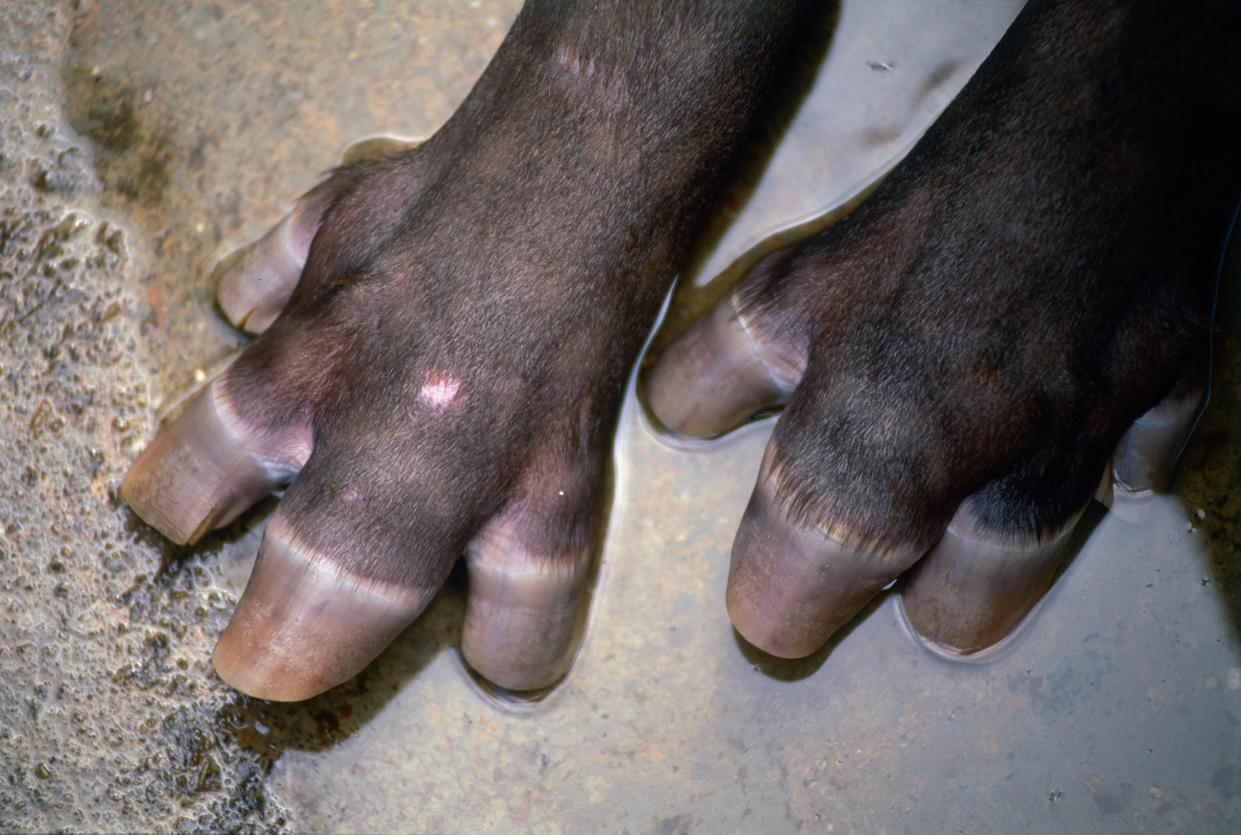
144, 140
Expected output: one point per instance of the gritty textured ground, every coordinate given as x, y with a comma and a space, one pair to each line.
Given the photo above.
140, 141
111, 718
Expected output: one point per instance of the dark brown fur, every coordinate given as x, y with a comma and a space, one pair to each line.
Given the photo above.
524, 250
1032, 278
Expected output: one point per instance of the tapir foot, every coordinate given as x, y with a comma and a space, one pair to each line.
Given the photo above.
445, 333
958, 359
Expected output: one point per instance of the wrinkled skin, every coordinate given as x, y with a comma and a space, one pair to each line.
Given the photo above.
446, 331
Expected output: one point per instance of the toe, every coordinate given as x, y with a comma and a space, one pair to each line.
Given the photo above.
210, 465
978, 584
377, 147
1148, 451
795, 580
254, 283
526, 609
530, 572
717, 375
1001, 552
351, 557
306, 622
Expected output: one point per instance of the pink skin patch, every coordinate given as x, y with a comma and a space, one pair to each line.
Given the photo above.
573, 62
439, 391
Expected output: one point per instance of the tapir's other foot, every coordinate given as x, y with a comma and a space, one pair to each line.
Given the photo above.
444, 337
959, 358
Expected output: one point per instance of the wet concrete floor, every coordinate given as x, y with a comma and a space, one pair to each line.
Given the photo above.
141, 141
